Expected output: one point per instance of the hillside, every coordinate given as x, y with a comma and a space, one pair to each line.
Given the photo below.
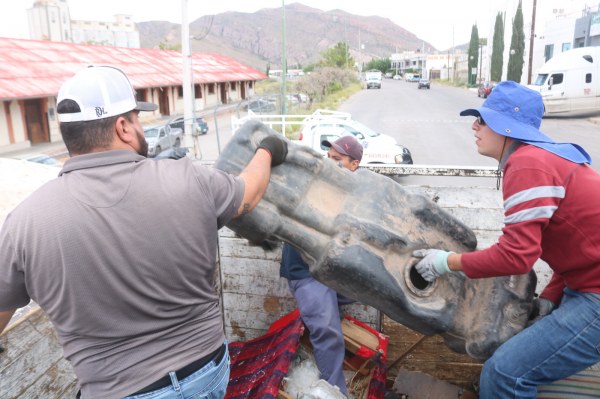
255, 39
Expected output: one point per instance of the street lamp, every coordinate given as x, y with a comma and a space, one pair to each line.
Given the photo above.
470, 72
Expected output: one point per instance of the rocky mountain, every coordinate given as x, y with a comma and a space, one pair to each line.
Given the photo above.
256, 38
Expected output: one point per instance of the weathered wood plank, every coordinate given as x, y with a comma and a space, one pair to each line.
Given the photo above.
461, 197
256, 285
237, 334
29, 330
57, 382
430, 356
32, 365
266, 268
240, 248
257, 312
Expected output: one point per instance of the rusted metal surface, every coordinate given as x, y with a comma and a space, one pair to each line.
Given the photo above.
432, 170
358, 231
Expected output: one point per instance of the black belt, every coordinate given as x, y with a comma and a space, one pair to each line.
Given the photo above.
185, 371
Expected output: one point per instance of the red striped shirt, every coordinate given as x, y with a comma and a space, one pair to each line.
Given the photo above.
551, 211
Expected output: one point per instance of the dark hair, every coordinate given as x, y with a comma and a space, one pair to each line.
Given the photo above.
86, 136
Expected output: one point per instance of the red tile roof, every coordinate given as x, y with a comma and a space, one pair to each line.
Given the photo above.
37, 68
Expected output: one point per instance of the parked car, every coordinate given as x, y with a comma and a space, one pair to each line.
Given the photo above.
424, 83
485, 89
414, 78
330, 125
397, 77
43, 159
199, 125
162, 137
260, 106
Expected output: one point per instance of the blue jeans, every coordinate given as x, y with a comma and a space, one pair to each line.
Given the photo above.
557, 346
319, 311
209, 382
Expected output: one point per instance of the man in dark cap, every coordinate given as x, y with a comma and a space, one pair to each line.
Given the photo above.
551, 198
319, 304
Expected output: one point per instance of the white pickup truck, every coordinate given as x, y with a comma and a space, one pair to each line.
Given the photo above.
252, 293
329, 125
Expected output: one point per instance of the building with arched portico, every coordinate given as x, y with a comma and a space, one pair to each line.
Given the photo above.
32, 71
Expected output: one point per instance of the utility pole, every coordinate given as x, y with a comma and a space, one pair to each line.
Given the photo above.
423, 60
453, 57
480, 60
448, 65
346, 40
482, 42
188, 98
531, 40
283, 65
359, 52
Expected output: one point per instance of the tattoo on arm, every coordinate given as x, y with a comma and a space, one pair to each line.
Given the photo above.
245, 209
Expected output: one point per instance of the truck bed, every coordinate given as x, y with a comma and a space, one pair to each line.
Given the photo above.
253, 296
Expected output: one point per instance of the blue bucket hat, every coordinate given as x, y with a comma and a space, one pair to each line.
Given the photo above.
515, 111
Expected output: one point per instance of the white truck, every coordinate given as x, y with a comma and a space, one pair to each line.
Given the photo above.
373, 79
570, 81
330, 125
253, 295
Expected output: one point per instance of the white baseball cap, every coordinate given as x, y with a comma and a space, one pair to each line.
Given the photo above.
100, 92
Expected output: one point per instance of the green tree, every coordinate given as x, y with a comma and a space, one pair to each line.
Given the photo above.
338, 56
309, 68
325, 81
497, 50
382, 64
517, 48
165, 45
473, 55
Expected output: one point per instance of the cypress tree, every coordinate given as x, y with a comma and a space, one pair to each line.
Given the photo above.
517, 44
497, 50
473, 55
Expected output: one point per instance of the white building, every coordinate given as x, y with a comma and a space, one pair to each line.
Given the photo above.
50, 20
120, 33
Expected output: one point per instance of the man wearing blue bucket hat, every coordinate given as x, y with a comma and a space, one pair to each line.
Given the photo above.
551, 198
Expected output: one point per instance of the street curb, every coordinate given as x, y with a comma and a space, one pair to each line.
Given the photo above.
594, 120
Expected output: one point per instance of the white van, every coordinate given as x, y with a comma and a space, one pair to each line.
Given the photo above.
570, 81
373, 79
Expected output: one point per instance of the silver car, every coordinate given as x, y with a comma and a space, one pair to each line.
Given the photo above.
162, 137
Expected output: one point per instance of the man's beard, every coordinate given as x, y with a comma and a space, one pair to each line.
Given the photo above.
143, 151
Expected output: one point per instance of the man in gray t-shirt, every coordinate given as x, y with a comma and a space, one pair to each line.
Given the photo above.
120, 250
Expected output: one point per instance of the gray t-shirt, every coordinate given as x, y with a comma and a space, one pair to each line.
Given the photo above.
120, 253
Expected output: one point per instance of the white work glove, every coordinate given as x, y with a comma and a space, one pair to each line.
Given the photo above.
542, 307
433, 264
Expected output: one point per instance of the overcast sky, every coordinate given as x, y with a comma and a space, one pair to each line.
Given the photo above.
442, 23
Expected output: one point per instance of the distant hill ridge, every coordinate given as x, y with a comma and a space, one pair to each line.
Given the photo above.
255, 38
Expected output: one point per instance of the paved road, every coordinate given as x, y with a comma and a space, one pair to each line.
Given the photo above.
425, 121
428, 123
